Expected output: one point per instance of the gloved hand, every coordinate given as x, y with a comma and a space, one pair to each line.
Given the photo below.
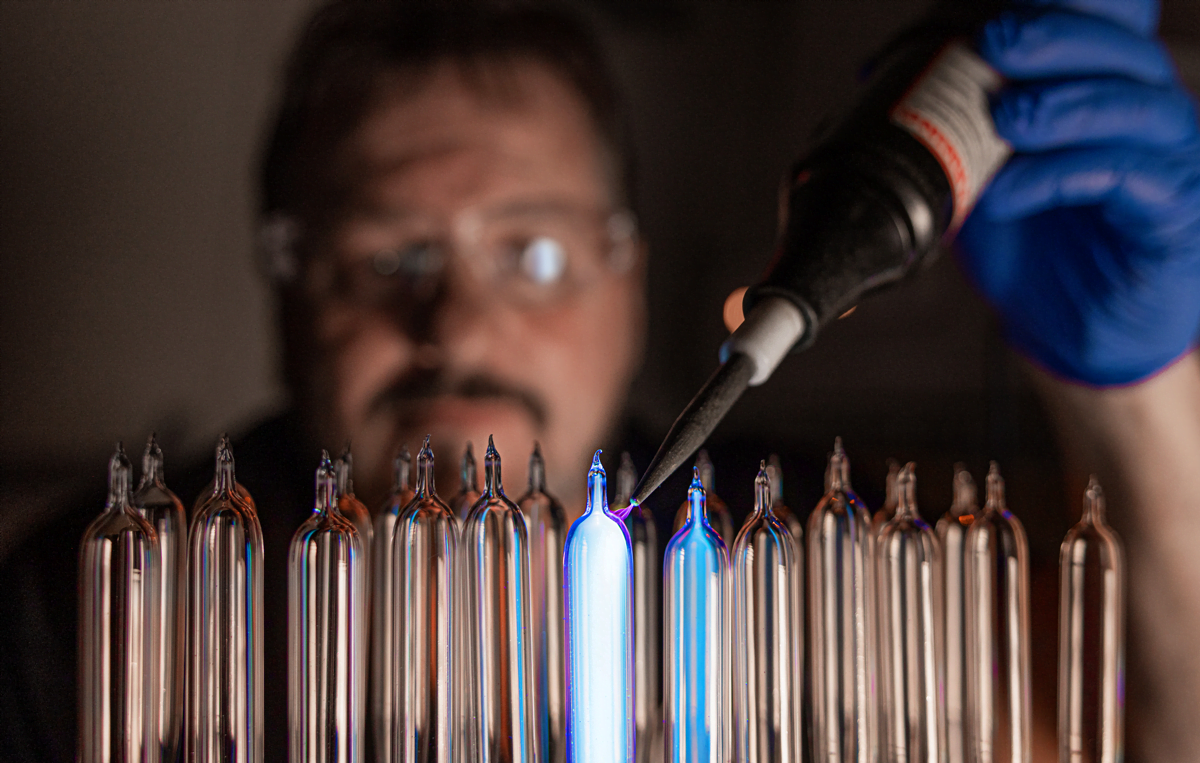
1087, 241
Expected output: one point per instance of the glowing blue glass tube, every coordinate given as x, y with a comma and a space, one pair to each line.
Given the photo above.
695, 577
598, 572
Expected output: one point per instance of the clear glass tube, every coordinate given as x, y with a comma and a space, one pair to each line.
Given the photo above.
118, 631
598, 568
647, 584
891, 496
164, 511
502, 720
695, 651
382, 702
547, 523
425, 624
327, 586
767, 681
468, 485
997, 580
841, 622
718, 514
1091, 639
225, 628
910, 637
952, 533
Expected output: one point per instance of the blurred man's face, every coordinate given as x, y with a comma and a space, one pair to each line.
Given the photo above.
476, 280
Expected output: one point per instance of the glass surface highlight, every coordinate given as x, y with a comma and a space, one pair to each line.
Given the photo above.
952, 533
841, 622
1091, 639
997, 579
500, 682
767, 648
118, 631
695, 643
225, 628
910, 639
327, 586
425, 624
647, 587
598, 568
547, 523
382, 698
164, 511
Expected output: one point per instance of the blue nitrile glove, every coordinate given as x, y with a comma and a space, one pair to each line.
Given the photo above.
1088, 241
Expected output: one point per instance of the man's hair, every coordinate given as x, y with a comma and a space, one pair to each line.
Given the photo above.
349, 43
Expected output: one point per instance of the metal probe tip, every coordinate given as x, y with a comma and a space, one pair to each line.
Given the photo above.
697, 422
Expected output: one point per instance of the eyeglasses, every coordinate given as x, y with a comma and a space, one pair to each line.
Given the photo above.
532, 255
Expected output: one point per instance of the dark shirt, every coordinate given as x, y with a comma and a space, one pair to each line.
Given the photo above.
38, 605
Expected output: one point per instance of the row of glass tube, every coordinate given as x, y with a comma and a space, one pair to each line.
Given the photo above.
496, 636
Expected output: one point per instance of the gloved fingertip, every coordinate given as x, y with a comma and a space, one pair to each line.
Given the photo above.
997, 38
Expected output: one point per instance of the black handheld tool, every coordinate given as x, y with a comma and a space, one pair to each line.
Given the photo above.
867, 206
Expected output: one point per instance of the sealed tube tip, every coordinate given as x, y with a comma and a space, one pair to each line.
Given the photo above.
1093, 502
119, 470
906, 491
763, 494
401, 470
705, 465
775, 475
326, 485
965, 493
597, 486
835, 474
467, 469
491, 470
995, 488
425, 486
537, 469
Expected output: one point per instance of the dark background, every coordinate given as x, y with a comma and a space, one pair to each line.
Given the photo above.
132, 299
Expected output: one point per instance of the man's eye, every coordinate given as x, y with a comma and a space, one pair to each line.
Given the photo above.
413, 260
543, 260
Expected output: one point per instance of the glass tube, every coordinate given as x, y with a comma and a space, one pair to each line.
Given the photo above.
841, 615
952, 532
647, 583
207, 491
719, 517
382, 709
164, 511
891, 495
997, 580
598, 568
910, 639
1091, 639
327, 585
695, 674
547, 523
502, 723
767, 681
118, 631
468, 485
425, 623
225, 628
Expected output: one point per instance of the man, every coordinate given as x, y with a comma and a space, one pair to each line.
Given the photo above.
446, 201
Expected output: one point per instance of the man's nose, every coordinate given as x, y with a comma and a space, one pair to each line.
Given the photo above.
452, 312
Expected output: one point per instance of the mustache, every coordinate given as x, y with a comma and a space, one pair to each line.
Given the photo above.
415, 388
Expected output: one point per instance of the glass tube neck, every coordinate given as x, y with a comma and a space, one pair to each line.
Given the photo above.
837, 475
966, 500
1093, 503
152, 464
995, 490
763, 494
597, 487
327, 487
537, 469
224, 480
119, 470
704, 466
425, 486
467, 470
696, 513
906, 492
344, 471
492, 484
402, 469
